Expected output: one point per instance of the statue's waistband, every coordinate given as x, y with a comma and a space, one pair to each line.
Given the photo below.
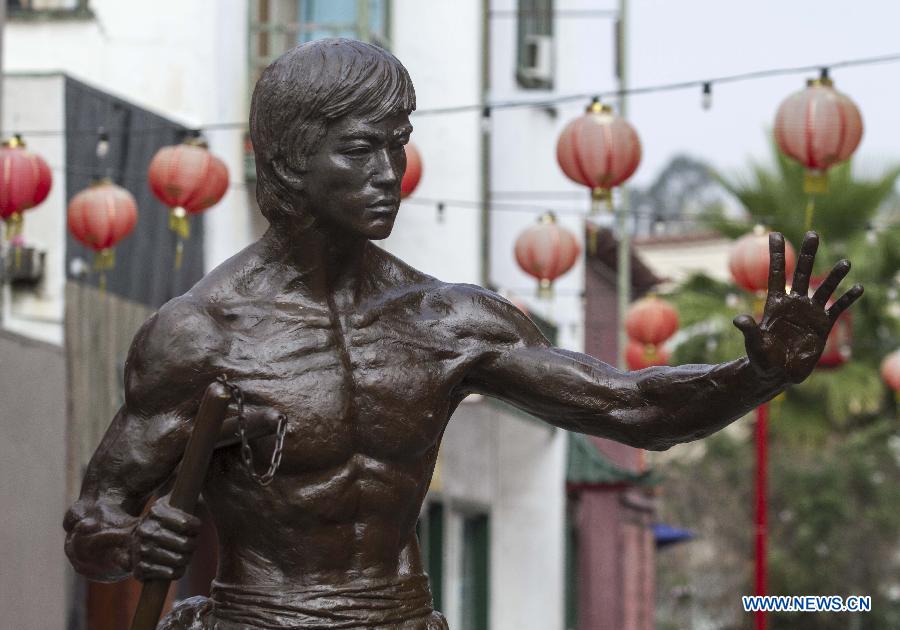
364, 603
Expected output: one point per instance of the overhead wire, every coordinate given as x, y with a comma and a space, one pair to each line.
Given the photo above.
527, 103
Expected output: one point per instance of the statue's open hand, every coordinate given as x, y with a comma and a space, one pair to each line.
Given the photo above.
162, 542
789, 340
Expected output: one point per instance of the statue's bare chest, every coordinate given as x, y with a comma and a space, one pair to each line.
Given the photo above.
358, 382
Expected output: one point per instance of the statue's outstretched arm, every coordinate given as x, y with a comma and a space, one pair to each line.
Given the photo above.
661, 406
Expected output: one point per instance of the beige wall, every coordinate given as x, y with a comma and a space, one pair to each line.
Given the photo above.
32, 484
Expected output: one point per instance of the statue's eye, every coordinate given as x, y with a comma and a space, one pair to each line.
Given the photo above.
356, 151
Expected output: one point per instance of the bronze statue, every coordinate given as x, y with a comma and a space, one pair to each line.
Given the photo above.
367, 358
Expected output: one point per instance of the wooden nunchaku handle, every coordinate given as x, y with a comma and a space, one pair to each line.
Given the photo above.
186, 490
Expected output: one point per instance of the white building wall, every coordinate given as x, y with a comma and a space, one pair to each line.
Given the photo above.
439, 43
524, 149
502, 463
186, 59
37, 102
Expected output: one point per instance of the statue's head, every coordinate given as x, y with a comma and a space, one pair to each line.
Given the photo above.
328, 121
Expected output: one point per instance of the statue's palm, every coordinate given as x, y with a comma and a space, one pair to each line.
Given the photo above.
791, 336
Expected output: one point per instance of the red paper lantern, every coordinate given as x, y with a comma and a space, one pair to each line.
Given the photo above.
100, 216
818, 127
651, 320
188, 179
599, 150
839, 344
890, 370
413, 172
546, 251
749, 261
25, 182
638, 356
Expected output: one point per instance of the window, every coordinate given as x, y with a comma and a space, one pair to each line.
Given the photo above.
571, 567
534, 54
47, 8
430, 530
278, 25
474, 606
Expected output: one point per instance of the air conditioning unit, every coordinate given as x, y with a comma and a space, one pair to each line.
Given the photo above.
537, 61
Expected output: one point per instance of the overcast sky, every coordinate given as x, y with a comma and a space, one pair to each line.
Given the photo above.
676, 40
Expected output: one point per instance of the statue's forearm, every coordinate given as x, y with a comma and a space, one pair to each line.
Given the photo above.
690, 402
653, 408
98, 540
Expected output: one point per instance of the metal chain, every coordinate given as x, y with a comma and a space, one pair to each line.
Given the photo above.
246, 452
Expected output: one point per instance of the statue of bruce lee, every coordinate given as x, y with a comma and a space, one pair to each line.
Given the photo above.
367, 358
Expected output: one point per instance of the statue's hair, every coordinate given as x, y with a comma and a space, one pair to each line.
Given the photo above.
307, 88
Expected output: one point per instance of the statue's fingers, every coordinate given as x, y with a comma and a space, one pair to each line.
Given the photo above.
823, 293
145, 571
800, 284
753, 340
844, 302
776, 263
174, 519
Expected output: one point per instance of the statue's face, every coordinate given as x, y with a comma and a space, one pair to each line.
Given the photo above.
352, 181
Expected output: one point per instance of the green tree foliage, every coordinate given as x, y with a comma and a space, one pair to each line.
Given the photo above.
835, 451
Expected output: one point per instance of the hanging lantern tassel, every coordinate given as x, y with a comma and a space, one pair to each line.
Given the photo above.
808, 215
179, 223
104, 261
14, 226
815, 182
545, 289
598, 196
593, 232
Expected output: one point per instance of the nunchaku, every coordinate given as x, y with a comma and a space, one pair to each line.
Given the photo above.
210, 431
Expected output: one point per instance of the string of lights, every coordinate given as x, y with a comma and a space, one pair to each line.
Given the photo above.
441, 205
705, 85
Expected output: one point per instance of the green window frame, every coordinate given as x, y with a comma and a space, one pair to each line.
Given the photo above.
430, 532
475, 573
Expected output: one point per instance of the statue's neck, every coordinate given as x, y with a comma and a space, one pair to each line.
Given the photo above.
325, 261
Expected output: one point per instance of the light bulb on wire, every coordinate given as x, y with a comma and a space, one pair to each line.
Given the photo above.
706, 96
102, 143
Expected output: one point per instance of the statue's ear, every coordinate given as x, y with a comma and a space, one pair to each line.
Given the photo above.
288, 176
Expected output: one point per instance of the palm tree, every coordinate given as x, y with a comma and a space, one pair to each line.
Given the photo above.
835, 482
857, 219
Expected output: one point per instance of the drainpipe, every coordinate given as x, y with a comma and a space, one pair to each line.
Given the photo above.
624, 261
485, 253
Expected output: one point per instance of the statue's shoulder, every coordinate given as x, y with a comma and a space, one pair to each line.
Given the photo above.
176, 350
484, 314
458, 300
172, 353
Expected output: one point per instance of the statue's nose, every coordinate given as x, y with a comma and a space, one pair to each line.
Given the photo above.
386, 171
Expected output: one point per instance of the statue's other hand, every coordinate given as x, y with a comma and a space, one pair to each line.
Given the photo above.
787, 343
162, 542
